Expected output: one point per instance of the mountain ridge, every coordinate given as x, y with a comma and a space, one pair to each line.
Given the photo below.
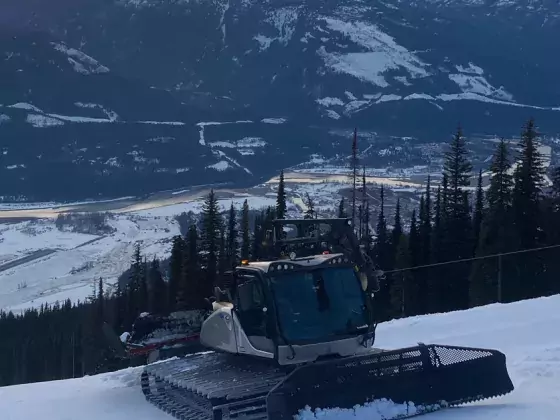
393, 69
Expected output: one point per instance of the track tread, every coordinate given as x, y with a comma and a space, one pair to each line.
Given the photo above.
197, 386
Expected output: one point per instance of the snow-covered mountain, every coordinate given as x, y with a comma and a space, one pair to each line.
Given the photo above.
302, 72
522, 330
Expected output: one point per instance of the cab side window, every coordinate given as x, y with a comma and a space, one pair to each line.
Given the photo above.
249, 294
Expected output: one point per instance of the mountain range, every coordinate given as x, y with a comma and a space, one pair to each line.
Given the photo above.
104, 98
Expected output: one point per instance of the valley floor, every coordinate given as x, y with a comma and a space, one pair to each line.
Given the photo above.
525, 331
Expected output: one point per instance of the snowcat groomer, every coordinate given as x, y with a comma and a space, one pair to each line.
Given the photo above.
297, 331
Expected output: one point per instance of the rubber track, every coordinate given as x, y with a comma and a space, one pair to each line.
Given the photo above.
192, 387
214, 386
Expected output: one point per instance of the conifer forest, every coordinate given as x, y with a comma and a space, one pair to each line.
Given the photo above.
463, 247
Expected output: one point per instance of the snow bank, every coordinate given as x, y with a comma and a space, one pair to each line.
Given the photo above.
376, 410
113, 396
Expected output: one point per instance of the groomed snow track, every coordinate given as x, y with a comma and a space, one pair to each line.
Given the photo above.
217, 386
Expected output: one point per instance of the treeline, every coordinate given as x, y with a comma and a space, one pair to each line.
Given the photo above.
468, 247
66, 340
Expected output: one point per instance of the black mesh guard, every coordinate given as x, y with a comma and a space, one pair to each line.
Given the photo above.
424, 375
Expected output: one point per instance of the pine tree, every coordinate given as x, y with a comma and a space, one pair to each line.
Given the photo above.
411, 302
495, 232
211, 227
232, 250
157, 288
341, 211
175, 272
457, 168
367, 231
310, 210
556, 182
396, 233
457, 238
196, 288
223, 263
478, 212
143, 287
426, 224
499, 194
382, 253
527, 191
245, 232
528, 181
281, 207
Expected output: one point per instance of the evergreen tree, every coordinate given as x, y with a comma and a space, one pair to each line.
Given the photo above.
397, 232
411, 292
341, 211
382, 253
496, 230
175, 272
499, 194
556, 182
310, 210
143, 287
100, 302
232, 251
157, 289
223, 257
211, 227
426, 224
245, 232
281, 207
457, 168
527, 191
528, 181
367, 232
457, 238
196, 288
478, 212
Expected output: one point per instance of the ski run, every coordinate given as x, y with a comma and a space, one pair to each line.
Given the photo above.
525, 331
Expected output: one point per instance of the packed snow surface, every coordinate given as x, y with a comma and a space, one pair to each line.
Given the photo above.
524, 331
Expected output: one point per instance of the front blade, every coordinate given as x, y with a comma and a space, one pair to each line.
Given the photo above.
425, 375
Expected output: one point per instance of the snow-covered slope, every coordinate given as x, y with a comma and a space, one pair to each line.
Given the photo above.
524, 331
41, 264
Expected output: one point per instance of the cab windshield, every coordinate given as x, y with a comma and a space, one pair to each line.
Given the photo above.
319, 304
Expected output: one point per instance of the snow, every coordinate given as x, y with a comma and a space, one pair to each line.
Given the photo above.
471, 69
273, 120
81, 62
39, 121
478, 84
201, 125
25, 105
67, 264
524, 331
383, 53
77, 261
329, 101
20, 239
